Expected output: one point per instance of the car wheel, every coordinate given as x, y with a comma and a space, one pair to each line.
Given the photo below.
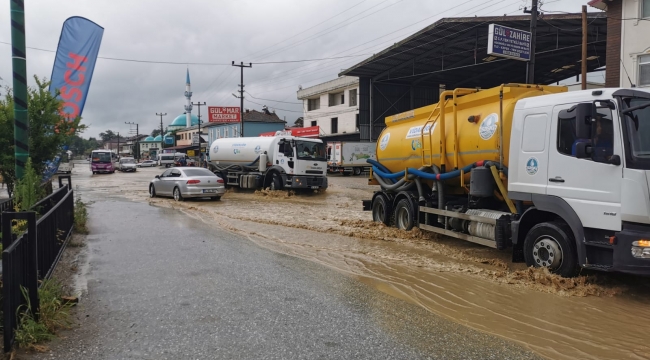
216, 198
94, 172
276, 182
551, 245
177, 194
404, 215
152, 191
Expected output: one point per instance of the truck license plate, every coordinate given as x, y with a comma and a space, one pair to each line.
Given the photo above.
209, 191
314, 187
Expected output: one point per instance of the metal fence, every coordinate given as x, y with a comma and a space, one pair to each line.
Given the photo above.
34, 255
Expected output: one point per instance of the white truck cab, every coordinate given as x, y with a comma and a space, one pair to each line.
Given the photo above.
585, 156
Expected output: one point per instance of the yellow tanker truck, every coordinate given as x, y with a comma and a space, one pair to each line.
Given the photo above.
562, 179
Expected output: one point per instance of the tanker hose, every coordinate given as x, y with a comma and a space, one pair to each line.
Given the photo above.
392, 187
254, 161
503, 168
376, 165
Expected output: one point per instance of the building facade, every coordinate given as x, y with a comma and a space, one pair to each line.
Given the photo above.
333, 106
628, 50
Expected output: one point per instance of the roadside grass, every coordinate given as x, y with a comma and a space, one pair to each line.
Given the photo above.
80, 217
53, 314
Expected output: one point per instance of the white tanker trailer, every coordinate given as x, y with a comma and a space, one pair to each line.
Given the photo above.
280, 162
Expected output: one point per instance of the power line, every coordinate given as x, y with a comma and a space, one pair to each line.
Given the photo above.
285, 102
323, 32
304, 31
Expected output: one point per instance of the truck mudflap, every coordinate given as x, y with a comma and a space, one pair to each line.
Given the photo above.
305, 182
632, 249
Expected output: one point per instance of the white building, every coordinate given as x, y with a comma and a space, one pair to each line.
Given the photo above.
333, 106
628, 26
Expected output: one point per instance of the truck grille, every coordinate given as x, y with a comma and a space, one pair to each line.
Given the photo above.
317, 172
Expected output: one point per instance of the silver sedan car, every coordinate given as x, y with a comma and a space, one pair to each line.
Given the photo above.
187, 182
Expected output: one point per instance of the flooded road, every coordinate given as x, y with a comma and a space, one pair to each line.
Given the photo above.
595, 316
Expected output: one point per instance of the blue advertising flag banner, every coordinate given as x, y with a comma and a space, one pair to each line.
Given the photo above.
74, 63
508, 42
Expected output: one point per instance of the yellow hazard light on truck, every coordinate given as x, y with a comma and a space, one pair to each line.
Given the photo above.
641, 243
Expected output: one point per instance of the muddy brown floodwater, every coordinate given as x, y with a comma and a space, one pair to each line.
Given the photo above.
593, 316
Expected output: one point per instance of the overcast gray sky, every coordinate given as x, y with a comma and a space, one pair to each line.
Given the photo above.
219, 32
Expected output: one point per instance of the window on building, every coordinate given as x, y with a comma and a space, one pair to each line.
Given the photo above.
336, 99
356, 123
313, 104
314, 123
353, 98
335, 125
645, 8
227, 134
644, 69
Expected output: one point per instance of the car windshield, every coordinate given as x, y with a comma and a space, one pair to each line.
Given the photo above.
128, 161
101, 157
198, 172
309, 150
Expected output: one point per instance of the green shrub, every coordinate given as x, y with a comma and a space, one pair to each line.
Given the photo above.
80, 217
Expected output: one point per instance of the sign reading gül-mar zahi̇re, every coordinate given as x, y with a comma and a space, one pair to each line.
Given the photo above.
508, 42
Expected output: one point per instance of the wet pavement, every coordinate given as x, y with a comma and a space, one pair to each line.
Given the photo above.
162, 285
594, 316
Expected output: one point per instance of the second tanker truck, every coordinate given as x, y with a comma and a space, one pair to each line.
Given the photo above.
562, 179
280, 162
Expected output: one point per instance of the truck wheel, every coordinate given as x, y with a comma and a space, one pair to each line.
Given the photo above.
276, 182
381, 211
177, 194
152, 191
551, 245
404, 215
357, 171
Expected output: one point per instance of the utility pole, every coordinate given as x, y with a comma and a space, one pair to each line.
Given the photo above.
530, 68
583, 71
241, 94
199, 104
118, 144
162, 137
19, 65
137, 145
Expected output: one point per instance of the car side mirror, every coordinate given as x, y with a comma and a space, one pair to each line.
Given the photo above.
585, 113
157, 176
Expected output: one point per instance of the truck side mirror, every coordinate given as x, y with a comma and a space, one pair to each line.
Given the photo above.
583, 149
585, 113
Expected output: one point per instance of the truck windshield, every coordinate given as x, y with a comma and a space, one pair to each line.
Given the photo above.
101, 157
637, 119
308, 150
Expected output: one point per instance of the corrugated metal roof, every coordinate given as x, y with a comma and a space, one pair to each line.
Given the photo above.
453, 52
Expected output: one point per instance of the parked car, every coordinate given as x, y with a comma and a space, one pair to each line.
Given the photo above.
187, 182
147, 163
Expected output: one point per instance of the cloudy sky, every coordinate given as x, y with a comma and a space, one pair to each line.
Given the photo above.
219, 32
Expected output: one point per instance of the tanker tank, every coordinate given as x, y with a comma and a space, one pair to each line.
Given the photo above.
477, 133
241, 151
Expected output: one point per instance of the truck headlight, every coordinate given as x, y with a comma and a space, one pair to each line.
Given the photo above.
641, 249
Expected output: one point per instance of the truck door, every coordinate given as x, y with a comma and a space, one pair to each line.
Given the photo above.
591, 187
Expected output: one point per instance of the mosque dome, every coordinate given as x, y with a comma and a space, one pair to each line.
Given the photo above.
149, 138
157, 138
181, 120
